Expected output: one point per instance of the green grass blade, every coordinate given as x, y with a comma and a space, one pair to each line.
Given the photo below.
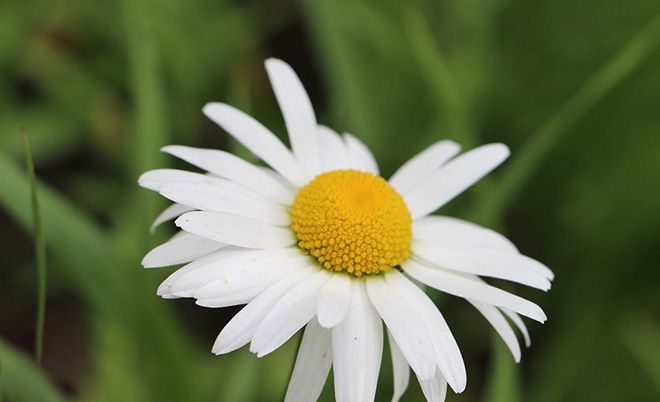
442, 81
39, 250
110, 287
240, 384
149, 128
351, 98
74, 239
642, 336
504, 383
541, 142
22, 380
148, 125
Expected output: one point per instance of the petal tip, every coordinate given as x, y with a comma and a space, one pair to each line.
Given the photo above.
219, 346
182, 220
274, 62
146, 262
212, 108
143, 181
502, 149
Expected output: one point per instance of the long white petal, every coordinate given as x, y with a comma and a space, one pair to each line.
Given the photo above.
182, 248
357, 347
258, 139
334, 300
400, 369
447, 354
501, 326
235, 230
458, 284
298, 115
169, 213
518, 322
405, 324
453, 231
444, 229
242, 286
291, 313
334, 155
423, 164
229, 166
241, 329
164, 290
279, 178
312, 365
453, 178
435, 389
359, 156
221, 265
482, 261
228, 197
154, 179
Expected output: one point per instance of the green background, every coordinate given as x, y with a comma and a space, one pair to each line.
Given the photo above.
572, 87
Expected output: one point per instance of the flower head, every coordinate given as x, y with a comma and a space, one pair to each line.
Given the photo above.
319, 240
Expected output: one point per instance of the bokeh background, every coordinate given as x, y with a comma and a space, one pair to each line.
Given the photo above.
572, 87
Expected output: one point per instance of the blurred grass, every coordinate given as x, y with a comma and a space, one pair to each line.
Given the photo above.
39, 250
101, 86
22, 380
504, 382
541, 141
642, 336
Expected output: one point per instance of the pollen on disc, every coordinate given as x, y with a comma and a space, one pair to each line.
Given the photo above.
352, 222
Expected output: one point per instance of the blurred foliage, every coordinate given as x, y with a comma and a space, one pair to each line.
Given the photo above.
100, 86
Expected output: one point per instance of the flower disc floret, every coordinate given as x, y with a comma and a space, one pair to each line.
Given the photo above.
352, 222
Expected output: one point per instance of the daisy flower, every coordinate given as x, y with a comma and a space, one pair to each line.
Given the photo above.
319, 240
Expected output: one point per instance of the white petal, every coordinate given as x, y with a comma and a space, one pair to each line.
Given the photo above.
435, 389
240, 329
357, 347
169, 213
182, 248
458, 284
334, 155
242, 286
334, 300
447, 354
229, 197
278, 177
258, 139
400, 369
453, 178
501, 326
444, 229
312, 365
481, 261
405, 324
359, 156
515, 318
224, 264
154, 179
298, 115
164, 290
291, 313
235, 230
423, 164
229, 166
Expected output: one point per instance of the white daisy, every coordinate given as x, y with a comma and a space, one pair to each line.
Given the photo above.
319, 240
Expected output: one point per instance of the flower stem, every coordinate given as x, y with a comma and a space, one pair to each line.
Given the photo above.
39, 250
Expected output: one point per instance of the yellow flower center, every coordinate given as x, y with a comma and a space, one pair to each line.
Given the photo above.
352, 221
